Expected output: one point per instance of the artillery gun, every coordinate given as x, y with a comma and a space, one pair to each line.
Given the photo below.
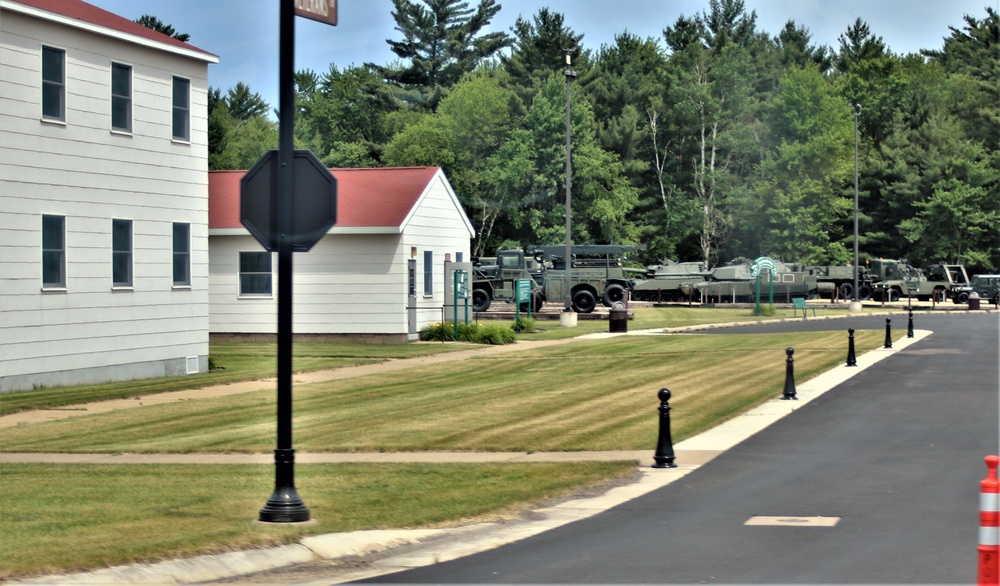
596, 272
734, 281
662, 282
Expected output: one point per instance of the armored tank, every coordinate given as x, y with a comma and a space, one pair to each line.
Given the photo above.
662, 282
733, 282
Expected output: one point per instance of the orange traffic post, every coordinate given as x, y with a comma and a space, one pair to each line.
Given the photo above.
989, 525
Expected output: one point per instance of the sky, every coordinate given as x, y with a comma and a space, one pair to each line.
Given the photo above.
244, 33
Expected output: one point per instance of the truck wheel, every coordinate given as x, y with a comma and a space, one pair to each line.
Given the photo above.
846, 290
584, 301
613, 293
864, 292
536, 303
962, 297
892, 295
996, 299
480, 300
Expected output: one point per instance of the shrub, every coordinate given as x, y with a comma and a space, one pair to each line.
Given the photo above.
768, 310
524, 324
495, 335
479, 334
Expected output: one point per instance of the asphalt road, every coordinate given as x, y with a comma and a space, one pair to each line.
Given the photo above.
894, 456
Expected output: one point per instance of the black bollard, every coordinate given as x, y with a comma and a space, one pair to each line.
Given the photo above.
852, 360
888, 333
789, 393
664, 456
909, 325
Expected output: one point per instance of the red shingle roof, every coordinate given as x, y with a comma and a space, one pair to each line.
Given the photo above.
366, 198
78, 10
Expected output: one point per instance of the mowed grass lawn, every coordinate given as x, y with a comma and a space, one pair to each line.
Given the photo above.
585, 395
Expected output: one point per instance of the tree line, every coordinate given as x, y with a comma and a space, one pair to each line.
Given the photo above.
717, 140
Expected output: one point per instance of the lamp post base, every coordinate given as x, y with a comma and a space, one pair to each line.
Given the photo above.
567, 319
855, 307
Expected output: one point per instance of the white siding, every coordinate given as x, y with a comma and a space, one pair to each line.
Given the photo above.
347, 284
83, 171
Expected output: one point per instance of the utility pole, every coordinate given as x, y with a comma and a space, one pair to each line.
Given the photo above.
567, 296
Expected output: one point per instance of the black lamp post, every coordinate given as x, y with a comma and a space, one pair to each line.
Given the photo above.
570, 74
857, 114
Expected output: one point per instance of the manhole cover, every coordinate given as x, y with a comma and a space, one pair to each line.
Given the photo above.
793, 521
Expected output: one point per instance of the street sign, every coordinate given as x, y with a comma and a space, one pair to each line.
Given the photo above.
324, 11
314, 201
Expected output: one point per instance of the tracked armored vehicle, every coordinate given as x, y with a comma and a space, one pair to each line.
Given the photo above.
662, 283
733, 282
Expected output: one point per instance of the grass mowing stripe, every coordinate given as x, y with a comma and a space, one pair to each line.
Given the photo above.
73, 517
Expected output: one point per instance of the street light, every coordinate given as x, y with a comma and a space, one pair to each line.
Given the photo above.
570, 74
857, 115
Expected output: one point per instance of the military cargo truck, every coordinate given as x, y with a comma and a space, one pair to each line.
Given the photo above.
597, 273
840, 278
895, 279
498, 281
986, 286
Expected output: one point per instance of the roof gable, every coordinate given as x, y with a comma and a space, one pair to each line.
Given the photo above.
380, 200
82, 15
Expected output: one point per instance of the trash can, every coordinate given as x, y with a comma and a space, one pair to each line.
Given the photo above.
973, 300
618, 319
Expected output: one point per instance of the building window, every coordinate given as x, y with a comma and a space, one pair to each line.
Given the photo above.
53, 251
182, 254
428, 272
182, 109
121, 253
121, 97
255, 273
53, 84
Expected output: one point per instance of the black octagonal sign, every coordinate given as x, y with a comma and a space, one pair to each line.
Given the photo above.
314, 201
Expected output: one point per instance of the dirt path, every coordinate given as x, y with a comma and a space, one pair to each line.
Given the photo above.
305, 378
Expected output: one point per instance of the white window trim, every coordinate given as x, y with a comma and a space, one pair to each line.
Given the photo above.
239, 276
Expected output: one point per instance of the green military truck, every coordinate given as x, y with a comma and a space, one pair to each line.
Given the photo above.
895, 279
495, 279
596, 273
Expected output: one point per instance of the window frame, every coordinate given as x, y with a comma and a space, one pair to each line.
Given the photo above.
48, 252
125, 99
120, 252
180, 113
241, 273
428, 273
48, 84
182, 256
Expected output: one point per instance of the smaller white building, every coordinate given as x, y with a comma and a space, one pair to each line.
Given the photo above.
377, 276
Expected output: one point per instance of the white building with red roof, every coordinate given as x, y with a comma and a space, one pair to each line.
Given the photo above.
103, 198
355, 283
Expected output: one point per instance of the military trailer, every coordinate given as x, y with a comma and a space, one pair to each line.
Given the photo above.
662, 283
596, 273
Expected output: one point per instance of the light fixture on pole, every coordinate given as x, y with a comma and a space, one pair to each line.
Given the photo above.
855, 304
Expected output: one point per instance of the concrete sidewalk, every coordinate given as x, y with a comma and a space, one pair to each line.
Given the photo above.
344, 557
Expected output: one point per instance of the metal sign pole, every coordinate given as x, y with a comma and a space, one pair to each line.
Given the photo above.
285, 505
